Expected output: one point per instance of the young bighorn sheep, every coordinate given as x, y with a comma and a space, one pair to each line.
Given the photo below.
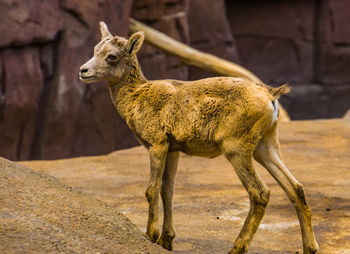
223, 115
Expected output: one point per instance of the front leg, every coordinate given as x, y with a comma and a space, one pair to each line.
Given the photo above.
158, 154
166, 192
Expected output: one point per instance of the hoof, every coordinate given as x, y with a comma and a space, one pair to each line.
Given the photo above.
153, 236
311, 250
166, 241
240, 247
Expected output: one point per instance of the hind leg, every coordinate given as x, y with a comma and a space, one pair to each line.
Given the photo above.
258, 194
267, 153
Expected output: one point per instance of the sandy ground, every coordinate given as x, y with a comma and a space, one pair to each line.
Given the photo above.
210, 204
39, 214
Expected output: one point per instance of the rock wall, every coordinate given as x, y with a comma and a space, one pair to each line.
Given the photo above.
304, 43
167, 16
209, 31
47, 113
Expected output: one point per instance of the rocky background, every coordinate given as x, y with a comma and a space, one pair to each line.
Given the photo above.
47, 113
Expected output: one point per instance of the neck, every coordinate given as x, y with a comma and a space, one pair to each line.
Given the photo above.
129, 81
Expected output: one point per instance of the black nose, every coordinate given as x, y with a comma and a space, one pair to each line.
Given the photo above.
84, 70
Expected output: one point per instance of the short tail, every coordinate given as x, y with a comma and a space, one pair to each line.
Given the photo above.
278, 91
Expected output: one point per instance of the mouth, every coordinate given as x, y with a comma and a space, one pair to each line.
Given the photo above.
86, 78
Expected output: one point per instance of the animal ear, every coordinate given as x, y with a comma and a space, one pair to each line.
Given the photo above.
104, 30
135, 43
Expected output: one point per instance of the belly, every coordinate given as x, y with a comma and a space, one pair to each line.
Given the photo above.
197, 148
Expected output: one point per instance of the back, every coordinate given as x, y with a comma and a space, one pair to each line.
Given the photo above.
198, 113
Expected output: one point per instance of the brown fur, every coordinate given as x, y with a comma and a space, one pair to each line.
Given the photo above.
222, 115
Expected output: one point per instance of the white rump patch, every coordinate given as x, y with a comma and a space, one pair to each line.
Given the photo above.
276, 107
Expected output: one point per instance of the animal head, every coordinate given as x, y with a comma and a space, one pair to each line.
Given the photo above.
112, 57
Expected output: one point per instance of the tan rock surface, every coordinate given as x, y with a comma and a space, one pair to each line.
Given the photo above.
210, 204
39, 214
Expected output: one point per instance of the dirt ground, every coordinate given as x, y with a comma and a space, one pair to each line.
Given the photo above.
210, 204
39, 214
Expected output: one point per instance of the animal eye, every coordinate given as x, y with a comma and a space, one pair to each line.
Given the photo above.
112, 57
